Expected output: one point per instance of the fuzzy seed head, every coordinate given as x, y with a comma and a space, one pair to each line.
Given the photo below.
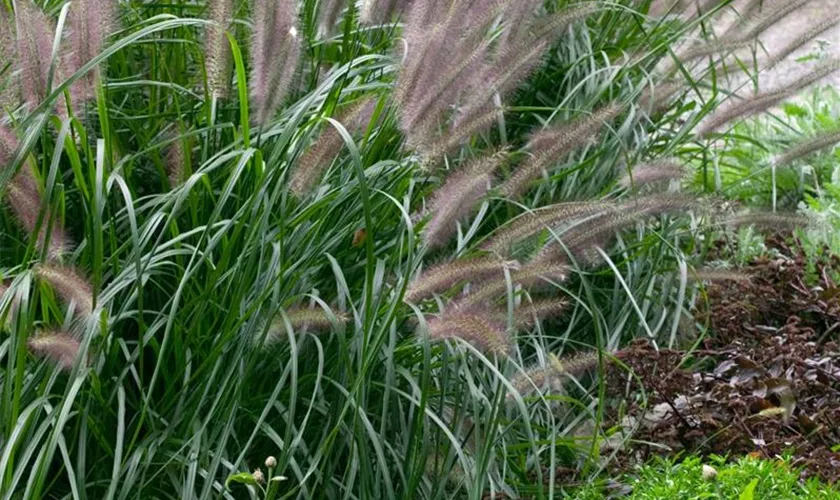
24, 199
35, 36
551, 145
458, 197
69, 284
530, 275
532, 223
808, 147
306, 320
217, 49
275, 54
447, 275
473, 329
89, 24
59, 347
719, 275
665, 170
312, 164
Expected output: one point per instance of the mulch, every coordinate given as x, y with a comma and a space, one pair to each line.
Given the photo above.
765, 383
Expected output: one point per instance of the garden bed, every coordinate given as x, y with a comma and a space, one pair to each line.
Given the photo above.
764, 383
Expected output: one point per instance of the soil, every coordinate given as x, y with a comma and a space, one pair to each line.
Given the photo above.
765, 383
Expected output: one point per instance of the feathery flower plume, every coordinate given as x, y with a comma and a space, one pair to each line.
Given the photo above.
717, 275
532, 223
473, 329
329, 11
762, 22
9, 82
450, 63
59, 347
764, 101
458, 196
381, 11
667, 169
275, 54
69, 285
90, 22
807, 36
822, 141
306, 320
551, 145
529, 275
24, 198
528, 313
553, 374
771, 221
596, 231
447, 275
312, 164
657, 99
35, 37
174, 161
217, 58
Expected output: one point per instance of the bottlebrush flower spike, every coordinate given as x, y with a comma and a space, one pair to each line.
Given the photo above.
174, 161
10, 81
771, 221
667, 169
762, 102
69, 285
532, 223
596, 231
810, 146
329, 12
474, 329
275, 54
382, 11
35, 37
306, 320
529, 275
802, 39
24, 199
458, 197
217, 58
445, 276
529, 312
59, 347
312, 164
553, 374
89, 22
551, 145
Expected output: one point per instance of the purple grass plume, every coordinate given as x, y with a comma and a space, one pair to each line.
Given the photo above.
174, 161
530, 275
89, 23
305, 320
35, 36
382, 11
581, 239
474, 328
10, 97
658, 171
532, 311
450, 62
822, 141
69, 284
329, 12
766, 100
458, 197
217, 54
552, 375
780, 222
534, 222
445, 276
59, 347
312, 164
549, 146
275, 55
807, 36
23, 197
